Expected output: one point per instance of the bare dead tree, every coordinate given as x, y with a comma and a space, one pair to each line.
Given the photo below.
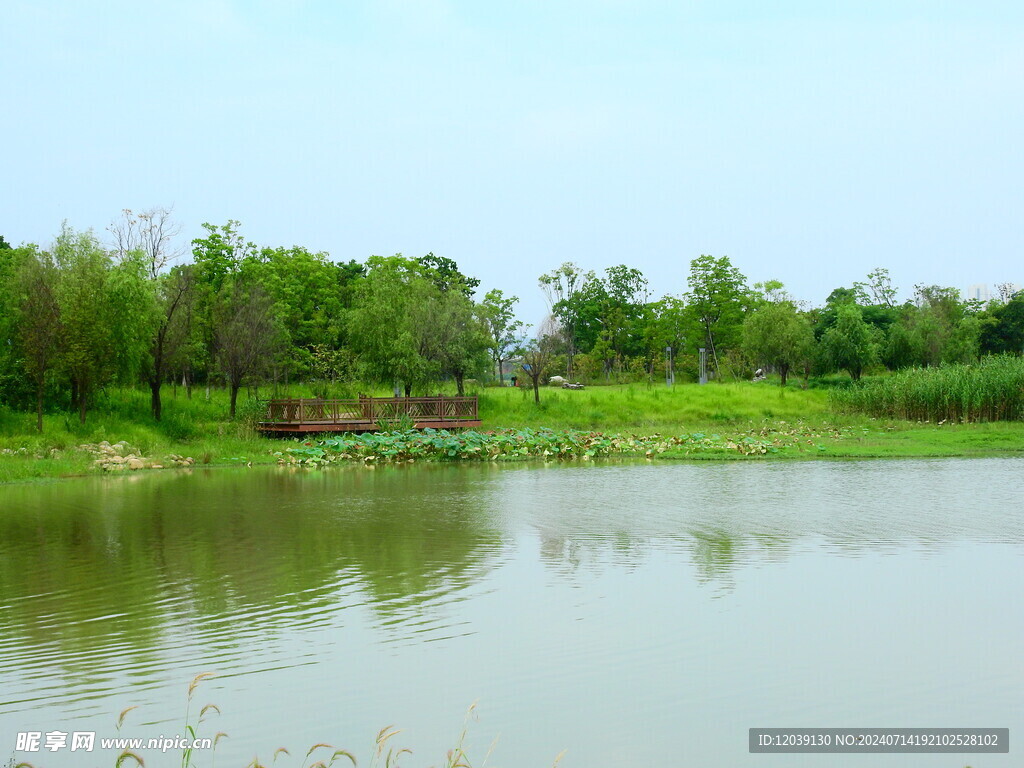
152, 232
1006, 291
174, 294
536, 358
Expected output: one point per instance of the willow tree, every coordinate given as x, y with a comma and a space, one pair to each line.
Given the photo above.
40, 332
851, 344
10, 370
389, 322
248, 338
777, 335
106, 310
504, 330
411, 325
456, 336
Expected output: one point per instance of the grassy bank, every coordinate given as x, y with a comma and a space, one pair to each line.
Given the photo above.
801, 422
197, 428
646, 409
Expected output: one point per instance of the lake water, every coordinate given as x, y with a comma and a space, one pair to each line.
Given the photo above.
631, 614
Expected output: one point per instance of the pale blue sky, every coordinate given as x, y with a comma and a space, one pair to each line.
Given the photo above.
810, 142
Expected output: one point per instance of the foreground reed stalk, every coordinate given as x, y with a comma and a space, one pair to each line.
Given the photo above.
384, 755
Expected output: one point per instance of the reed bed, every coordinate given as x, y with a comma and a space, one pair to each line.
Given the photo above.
991, 390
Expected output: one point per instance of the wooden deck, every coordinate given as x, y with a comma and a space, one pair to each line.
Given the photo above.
367, 414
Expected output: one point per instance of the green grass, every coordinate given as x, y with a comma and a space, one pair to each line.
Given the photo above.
200, 428
896, 439
196, 427
645, 409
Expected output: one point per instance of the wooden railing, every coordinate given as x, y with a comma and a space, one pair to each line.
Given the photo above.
370, 410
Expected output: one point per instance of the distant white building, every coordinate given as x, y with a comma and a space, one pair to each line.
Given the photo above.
982, 292
979, 292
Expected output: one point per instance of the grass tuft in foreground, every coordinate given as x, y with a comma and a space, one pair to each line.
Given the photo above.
383, 755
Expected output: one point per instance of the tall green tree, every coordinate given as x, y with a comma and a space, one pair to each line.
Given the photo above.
940, 311
777, 335
135, 313
560, 287
880, 315
455, 335
173, 294
411, 324
1003, 329
768, 292
308, 291
445, 274
504, 330
388, 325
10, 261
149, 238
218, 259
248, 335
851, 344
40, 331
188, 347
83, 295
927, 331
609, 313
718, 298
220, 254
668, 326
963, 345
878, 289
899, 349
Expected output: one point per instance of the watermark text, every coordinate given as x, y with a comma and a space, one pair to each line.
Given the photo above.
86, 741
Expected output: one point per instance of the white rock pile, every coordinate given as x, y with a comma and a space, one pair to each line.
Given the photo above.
120, 457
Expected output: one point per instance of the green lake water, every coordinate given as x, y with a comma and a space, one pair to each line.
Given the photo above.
631, 614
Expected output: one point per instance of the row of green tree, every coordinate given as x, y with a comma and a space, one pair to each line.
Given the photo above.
608, 324
84, 314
